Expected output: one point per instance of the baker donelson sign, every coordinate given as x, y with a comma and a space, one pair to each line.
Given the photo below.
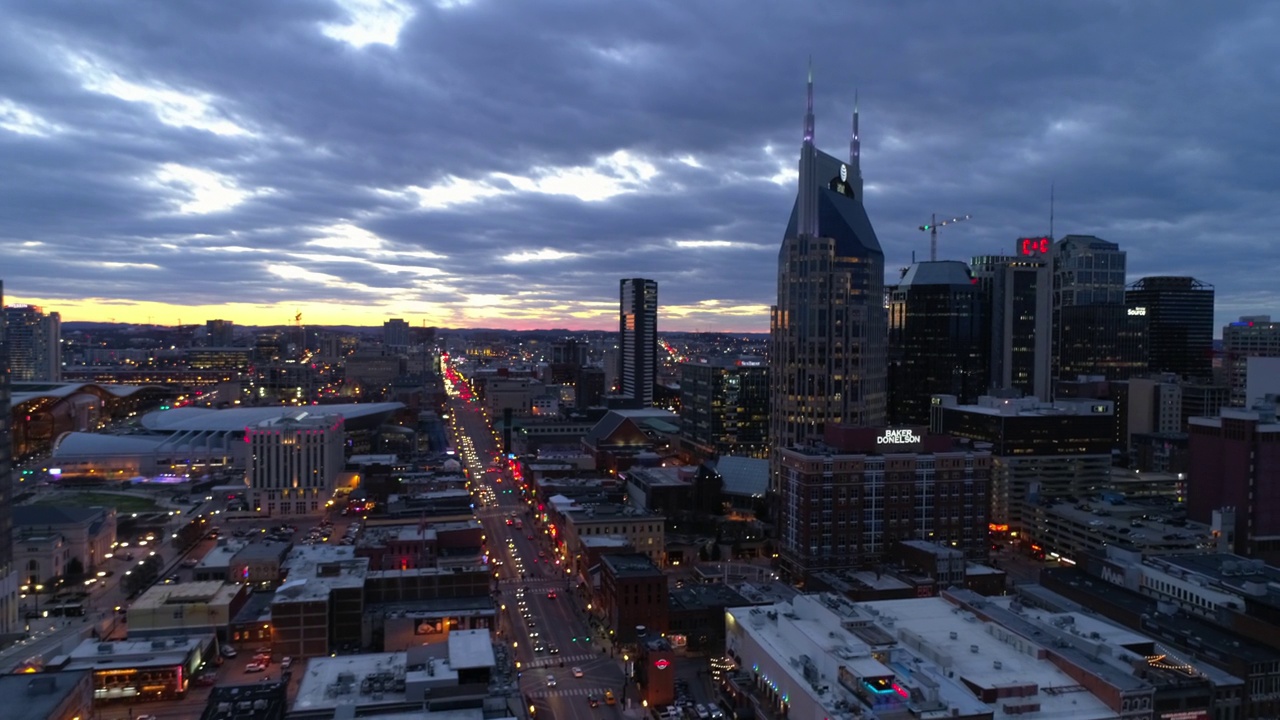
898, 437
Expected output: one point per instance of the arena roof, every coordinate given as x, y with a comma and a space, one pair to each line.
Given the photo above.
28, 391
206, 420
191, 429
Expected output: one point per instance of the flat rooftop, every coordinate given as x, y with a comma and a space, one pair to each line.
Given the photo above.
36, 697
631, 565
1114, 523
1179, 627
470, 649
321, 687
220, 556
262, 550
315, 570
703, 597
160, 652
213, 592
608, 513
1233, 573
938, 644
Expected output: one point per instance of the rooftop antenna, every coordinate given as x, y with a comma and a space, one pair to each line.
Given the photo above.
1051, 188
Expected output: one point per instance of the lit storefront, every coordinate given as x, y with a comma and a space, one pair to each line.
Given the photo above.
141, 671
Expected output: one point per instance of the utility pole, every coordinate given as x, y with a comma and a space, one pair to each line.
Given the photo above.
933, 226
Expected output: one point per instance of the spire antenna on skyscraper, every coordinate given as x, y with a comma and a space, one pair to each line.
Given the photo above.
808, 212
808, 113
855, 151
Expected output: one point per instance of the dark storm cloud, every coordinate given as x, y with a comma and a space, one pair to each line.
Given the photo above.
527, 155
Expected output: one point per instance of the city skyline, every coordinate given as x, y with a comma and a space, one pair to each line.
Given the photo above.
361, 160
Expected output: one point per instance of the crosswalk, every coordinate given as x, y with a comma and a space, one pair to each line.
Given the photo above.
538, 582
567, 692
551, 660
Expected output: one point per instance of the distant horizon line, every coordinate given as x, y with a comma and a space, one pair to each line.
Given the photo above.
71, 324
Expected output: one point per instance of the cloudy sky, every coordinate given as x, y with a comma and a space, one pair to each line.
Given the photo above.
504, 163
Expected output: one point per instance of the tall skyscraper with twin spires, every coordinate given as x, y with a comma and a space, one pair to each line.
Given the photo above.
828, 329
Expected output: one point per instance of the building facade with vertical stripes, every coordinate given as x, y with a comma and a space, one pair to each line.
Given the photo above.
294, 462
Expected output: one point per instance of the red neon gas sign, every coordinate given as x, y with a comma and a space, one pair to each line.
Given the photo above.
662, 663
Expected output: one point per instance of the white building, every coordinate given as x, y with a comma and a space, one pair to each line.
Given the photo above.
821, 657
294, 462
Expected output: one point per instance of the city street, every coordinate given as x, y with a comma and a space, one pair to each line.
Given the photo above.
556, 620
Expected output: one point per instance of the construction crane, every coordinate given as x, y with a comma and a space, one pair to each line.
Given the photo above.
933, 226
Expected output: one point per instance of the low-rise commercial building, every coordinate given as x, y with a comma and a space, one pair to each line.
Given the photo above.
262, 700
320, 606
447, 680
216, 564
87, 536
49, 696
136, 671
186, 609
957, 655
259, 564
696, 613
646, 532
633, 592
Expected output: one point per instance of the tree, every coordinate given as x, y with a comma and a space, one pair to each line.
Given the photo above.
715, 552
75, 569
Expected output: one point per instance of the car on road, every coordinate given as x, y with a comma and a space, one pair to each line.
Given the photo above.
539, 647
593, 701
254, 667
577, 672
286, 663
144, 717
553, 649
609, 699
227, 651
551, 681
551, 594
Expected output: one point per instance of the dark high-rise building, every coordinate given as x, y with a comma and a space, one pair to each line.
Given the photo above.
590, 389
1179, 312
568, 357
638, 339
1101, 340
937, 330
828, 328
724, 406
395, 335
1018, 297
35, 343
1250, 336
8, 574
1087, 270
1040, 451
219, 333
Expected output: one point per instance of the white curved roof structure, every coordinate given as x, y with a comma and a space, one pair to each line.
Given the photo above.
198, 419
198, 432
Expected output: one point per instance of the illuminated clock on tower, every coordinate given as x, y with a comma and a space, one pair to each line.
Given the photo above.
1035, 246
